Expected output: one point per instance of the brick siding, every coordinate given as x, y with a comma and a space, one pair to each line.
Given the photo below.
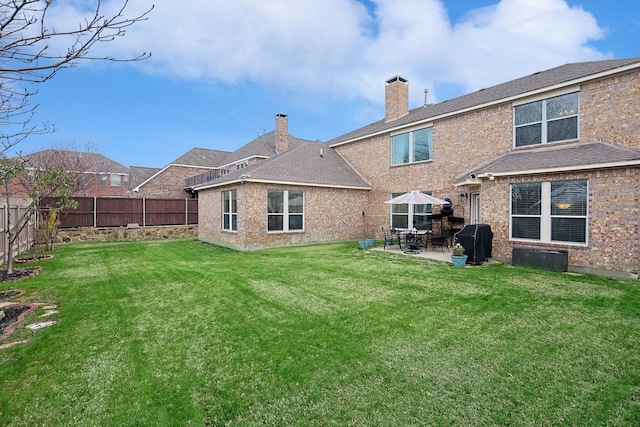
609, 110
330, 215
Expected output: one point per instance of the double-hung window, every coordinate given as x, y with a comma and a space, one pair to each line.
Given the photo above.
230, 210
285, 210
550, 211
548, 120
115, 180
410, 216
411, 147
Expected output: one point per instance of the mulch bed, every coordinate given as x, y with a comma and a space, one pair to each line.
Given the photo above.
19, 273
11, 315
22, 260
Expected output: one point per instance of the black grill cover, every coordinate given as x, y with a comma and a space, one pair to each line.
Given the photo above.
477, 241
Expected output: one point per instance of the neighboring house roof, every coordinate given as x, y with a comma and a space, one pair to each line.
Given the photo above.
540, 81
311, 164
263, 146
139, 174
195, 158
201, 157
75, 161
555, 158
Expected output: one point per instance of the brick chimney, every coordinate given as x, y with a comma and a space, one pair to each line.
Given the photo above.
282, 133
396, 98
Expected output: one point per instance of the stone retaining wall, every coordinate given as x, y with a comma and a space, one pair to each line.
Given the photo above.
84, 234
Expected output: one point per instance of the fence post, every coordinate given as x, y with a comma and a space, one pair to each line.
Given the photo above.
144, 211
186, 211
95, 211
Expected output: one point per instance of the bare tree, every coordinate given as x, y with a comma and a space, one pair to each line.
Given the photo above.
28, 57
44, 183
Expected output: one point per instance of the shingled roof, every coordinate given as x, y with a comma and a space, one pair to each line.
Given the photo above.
262, 146
139, 174
564, 157
201, 157
74, 161
562, 75
311, 163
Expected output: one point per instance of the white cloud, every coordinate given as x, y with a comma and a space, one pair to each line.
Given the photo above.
338, 48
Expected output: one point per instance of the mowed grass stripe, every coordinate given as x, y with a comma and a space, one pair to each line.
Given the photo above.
185, 333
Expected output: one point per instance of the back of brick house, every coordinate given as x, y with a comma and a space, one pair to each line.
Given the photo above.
550, 161
585, 148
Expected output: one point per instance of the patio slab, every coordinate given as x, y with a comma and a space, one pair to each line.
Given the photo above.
434, 254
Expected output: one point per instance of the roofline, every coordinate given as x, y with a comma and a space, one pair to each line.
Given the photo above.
498, 101
607, 165
84, 172
244, 159
137, 187
190, 166
269, 181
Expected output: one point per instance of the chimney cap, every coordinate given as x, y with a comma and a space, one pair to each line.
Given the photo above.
281, 115
396, 78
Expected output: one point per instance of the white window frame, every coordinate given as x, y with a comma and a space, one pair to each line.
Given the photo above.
544, 120
546, 216
286, 214
411, 213
228, 210
115, 180
411, 133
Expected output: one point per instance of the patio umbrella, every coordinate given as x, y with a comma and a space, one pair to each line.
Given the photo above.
416, 198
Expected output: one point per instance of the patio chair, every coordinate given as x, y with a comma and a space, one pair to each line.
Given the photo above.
411, 243
397, 235
388, 238
441, 239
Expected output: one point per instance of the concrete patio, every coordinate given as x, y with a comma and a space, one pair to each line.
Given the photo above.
434, 254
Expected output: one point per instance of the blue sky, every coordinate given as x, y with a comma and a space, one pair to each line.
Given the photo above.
221, 70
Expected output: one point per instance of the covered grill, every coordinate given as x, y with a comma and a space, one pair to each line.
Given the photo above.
477, 241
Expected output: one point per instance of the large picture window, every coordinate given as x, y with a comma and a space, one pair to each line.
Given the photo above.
230, 210
285, 210
410, 216
411, 147
549, 120
550, 211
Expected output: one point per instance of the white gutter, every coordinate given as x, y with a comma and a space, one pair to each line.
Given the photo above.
560, 169
496, 102
268, 181
137, 188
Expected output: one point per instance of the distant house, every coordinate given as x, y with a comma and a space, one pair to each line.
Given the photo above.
549, 161
168, 182
96, 175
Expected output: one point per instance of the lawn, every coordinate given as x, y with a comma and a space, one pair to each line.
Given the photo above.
179, 332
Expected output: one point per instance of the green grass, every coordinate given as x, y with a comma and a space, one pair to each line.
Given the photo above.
183, 333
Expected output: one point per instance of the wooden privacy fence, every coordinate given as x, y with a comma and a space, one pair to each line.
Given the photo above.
17, 208
118, 212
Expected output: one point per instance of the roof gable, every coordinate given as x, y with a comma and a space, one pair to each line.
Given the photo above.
262, 146
314, 164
